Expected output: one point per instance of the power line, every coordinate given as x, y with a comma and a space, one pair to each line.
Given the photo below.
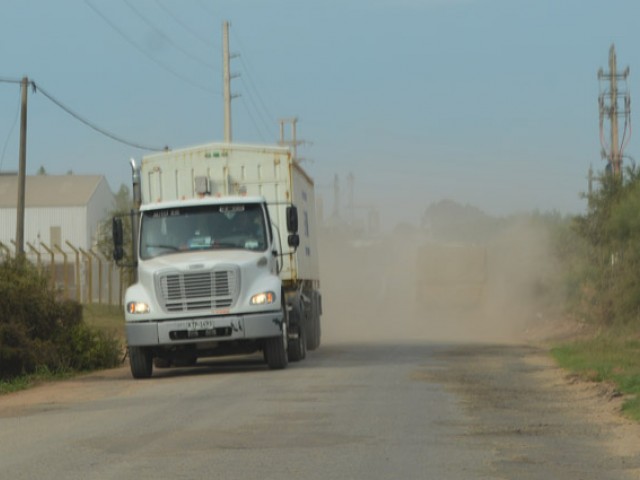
92, 125
250, 76
184, 25
265, 124
78, 117
204, 7
150, 57
252, 86
255, 125
10, 80
167, 38
266, 121
13, 126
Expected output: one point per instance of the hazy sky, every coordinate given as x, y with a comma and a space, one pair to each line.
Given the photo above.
487, 102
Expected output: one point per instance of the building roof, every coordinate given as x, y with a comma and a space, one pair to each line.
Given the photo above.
50, 190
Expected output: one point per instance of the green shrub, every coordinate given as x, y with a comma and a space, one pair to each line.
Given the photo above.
39, 331
604, 269
86, 348
16, 353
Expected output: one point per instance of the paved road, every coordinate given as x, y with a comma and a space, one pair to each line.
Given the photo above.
404, 411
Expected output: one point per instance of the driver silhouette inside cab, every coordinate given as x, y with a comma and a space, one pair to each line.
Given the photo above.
200, 232
248, 224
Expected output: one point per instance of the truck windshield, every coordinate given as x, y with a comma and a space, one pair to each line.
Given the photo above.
182, 229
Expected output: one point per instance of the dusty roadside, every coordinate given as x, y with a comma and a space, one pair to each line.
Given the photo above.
600, 402
537, 422
56, 394
535, 415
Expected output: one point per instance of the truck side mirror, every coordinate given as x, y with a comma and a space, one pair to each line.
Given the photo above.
118, 250
292, 219
293, 240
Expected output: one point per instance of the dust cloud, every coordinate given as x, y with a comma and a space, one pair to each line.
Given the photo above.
405, 286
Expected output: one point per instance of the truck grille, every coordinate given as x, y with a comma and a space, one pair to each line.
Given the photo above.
183, 292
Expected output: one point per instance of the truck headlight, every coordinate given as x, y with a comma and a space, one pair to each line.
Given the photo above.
138, 307
263, 298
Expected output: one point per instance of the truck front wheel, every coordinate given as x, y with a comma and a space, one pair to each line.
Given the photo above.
141, 362
298, 346
275, 350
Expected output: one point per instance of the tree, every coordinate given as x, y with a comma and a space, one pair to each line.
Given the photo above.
448, 220
123, 207
609, 290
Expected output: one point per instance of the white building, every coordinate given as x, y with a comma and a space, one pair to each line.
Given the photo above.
58, 208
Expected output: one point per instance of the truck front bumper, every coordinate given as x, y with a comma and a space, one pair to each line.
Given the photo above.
204, 329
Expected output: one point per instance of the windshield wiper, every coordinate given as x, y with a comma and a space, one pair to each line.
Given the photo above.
223, 245
167, 247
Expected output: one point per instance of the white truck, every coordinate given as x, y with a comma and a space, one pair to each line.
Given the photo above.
221, 267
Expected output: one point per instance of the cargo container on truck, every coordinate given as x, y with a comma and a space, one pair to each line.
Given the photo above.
226, 257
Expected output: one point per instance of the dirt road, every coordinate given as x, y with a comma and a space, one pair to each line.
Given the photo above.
374, 411
538, 423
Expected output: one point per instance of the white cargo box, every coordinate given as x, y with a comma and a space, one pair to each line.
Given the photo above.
223, 169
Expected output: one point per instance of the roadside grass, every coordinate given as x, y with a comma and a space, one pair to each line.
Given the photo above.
109, 319
612, 357
24, 382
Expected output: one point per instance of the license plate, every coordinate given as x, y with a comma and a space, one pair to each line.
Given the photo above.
205, 324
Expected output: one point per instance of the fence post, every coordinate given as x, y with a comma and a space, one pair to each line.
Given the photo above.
77, 253
110, 282
52, 266
37, 252
95, 255
64, 269
87, 257
6, 249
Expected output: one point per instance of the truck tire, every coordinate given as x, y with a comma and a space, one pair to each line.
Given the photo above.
298, 346
297, 325
313, 325
141, 362
275, 350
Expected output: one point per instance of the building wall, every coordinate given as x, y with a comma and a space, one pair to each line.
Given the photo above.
44, 224
49, 225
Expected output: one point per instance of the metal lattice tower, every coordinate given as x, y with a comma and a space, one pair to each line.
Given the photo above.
614, 103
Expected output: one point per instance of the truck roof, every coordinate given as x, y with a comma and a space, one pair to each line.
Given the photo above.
205, 200
221, 146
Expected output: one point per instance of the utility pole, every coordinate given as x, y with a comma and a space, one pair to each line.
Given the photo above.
608, 102
294, 142
22, 168
351, 180
226, 80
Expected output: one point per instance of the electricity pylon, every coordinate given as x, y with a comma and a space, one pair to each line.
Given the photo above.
614, 102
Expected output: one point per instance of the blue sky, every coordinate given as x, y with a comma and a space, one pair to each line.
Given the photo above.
488, 102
